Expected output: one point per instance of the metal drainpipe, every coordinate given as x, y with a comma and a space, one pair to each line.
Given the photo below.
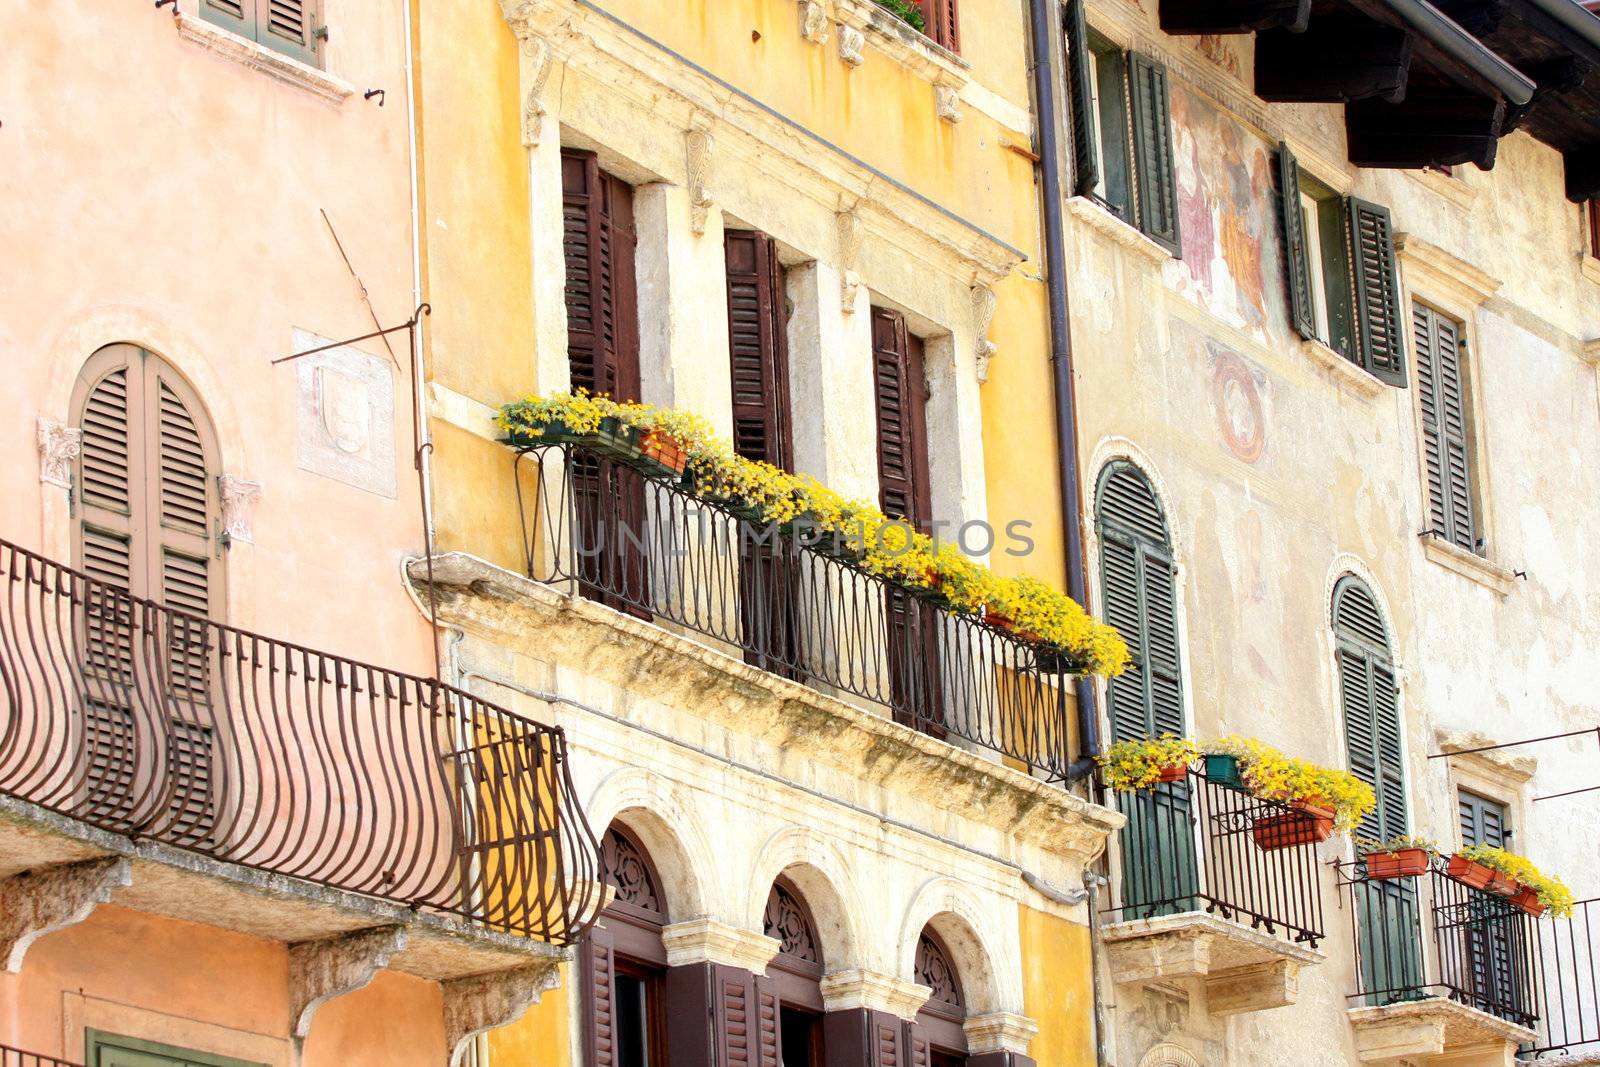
1045, 79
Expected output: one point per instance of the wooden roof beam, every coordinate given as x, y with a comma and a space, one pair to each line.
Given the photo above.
1431, 127
1233, 16
1341, 57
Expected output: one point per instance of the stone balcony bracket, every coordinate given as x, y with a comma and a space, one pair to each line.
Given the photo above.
1240, 969
1434, 1031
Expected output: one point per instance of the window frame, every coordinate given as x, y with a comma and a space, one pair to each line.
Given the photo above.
95, 1041
1466, 372
253, 23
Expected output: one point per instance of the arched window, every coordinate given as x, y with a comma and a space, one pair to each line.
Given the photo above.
1138, 586
146, 481
939, 1023
1370, 701
796, 974
625, 965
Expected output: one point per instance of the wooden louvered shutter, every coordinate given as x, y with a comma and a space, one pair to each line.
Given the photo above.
1442, 393
1296, 256
1483, 821
599, 1003
236, 15
1080, 92
110, 484
918, 1052
598, 241
290, 27
1153, 156
1370, 696
744, 1019
901, 395
758, 349
943, 23
1383, 351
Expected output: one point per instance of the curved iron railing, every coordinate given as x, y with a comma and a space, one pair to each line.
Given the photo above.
1192, 845
1435, 936
15, 1057
642, 543
146, 721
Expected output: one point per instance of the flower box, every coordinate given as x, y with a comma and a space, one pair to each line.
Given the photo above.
1502, 885
662, 454
1173, 774
1307, 824
1401, 863
616, 438
1224, 770
1528, 900
1469, 873
554, 432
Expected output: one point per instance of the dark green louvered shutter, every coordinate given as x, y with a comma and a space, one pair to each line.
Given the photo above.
1381, 345
1371, 706
236, 15
1483, 821
1296, 256
290, 27
1080, 90
1447, 457
1153, 156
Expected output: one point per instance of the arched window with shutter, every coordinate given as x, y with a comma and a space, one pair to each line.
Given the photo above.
937, 1037
1139, 595
1390, 957
625, 962
795, 977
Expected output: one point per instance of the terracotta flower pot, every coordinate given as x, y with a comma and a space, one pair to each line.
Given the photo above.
999, 621
1469, 873
1503, 885
1307, 824
1173, 774
1528, 901
663, 451
1402, 863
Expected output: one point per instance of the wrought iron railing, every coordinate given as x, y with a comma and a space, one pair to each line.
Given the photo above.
1435, 936
1197, 845
789, 602
15, 1057
156, 724
1566, 969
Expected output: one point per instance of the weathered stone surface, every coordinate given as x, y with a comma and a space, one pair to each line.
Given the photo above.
330, 967
36, 903
484, 1002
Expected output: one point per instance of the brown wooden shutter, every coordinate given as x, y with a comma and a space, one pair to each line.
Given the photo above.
918, 1052
901, 396
943, 23
1383, 351
598, 240
758, 349
599, 1004
1442, 394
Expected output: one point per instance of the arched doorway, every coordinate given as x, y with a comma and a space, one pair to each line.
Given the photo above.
939, 1027
625, 963
796, 975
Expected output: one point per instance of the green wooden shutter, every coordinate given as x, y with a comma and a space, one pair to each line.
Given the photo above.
236, 15
1153, 156
1080, 93
1483, 821
1442, 391
1296, 256
290, 27
1381, 346
1370, 702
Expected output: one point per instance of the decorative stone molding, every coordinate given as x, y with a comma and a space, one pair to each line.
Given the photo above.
1431, 270
1433, 1026
40, 902
850, 231
983, 307
538, 56
482, 1002
266, 60
911, 49
846, 990
813, 21
1485, 572
1167, 1055
1258, 987
852, 42
59, 446
1243, 970
1103, 222
1360, 381
999, 1031
1502, 765
700, 147
947, 102
239, 497
331, 967
1591, 351
709, 941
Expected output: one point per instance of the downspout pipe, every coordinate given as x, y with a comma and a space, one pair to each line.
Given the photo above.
1046, 77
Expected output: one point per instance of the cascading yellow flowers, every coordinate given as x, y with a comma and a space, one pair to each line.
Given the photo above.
1552, 892
886, 547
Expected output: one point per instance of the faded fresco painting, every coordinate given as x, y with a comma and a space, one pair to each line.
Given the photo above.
1227, 202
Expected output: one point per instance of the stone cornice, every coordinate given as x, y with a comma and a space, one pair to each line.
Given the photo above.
845, 990
586, 38
512, 610
706, 940
1431, 271
999, 1031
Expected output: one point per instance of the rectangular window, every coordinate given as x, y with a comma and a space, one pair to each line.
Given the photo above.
293, 27
1483, 821
1340, 267
1446, 426
1122, 132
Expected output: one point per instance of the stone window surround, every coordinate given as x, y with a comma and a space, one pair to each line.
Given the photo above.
223, 42
1502, 776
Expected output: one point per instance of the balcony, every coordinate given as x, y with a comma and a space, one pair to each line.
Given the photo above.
1200, 903
1445, 969
173, 765
649, 548
1566, 976
14, 1057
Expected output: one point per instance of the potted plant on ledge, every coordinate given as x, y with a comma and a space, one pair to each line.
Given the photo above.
1322, 800
1513, 877
1129, 766
1398, 857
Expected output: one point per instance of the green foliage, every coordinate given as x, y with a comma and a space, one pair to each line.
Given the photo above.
906, 11
1552, 892
1137, 764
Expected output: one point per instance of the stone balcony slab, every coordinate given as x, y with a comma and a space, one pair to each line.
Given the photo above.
1241, 969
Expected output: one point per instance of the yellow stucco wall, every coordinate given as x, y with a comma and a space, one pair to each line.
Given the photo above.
542, 1036
1057, 993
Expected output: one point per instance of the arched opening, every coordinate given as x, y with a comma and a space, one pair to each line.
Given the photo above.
625, 962
940, 1022
796, 975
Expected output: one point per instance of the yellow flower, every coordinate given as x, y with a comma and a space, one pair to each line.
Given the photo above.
1131, 765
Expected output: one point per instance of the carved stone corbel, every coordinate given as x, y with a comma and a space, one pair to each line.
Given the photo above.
852, 43
983, 306
238, 497
813, 21
35, 903
333, 966
850, 232
537, 54
700, 146
947, 101
479, 1003
59, 445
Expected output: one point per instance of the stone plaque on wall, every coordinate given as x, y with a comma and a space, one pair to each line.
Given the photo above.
344, 415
